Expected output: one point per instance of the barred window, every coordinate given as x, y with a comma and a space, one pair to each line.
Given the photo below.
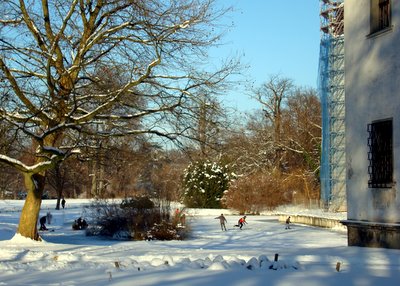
380, 155
384, 14
380, 15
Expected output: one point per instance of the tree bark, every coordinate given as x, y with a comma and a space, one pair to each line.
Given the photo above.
27, 227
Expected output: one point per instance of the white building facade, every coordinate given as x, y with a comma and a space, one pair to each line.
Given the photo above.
372, 88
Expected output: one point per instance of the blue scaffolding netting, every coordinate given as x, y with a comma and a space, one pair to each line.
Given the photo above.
323, 90
331, 92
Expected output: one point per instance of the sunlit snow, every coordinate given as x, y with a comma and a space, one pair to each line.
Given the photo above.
305, 255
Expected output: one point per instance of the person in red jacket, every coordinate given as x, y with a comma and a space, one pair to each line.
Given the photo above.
241, 222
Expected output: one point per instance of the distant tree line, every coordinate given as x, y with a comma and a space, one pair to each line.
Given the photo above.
275, 153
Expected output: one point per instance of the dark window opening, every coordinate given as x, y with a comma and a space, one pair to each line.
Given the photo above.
384, 14
380, 15
380, 155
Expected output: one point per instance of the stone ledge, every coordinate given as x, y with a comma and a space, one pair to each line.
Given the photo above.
314, 221
373, 234
370, 224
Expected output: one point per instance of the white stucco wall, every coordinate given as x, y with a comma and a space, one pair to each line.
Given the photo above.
372, 88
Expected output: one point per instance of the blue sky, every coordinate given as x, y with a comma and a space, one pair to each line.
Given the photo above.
275, 37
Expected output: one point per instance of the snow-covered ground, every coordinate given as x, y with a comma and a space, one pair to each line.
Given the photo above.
307, 255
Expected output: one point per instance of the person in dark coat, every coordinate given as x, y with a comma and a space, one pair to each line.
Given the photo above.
79, 224
43, 223
63, 203
84, 224
287, 223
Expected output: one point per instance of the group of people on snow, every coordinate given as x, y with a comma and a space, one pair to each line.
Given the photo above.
78, 224
179, 217
242, 222
48, 217
223, 221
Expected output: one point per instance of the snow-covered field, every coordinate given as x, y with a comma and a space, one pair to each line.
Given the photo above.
307, 255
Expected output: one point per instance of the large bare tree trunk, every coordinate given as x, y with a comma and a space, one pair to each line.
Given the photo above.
27, 227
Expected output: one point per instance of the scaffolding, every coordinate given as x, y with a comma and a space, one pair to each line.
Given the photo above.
331, 91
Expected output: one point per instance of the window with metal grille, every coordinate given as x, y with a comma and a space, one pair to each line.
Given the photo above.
380, 15
384, 14
380, 155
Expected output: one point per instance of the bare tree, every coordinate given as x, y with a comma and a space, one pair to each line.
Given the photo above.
166, 177
302, 142
273, 95
52, 54
302, 129
11, 185
251, 147
277, 152
209, 122
254, 145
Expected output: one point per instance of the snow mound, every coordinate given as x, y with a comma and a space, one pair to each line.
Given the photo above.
219, 266
22, 240
220, 263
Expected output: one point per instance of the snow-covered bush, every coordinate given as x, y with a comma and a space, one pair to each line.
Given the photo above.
134, 218
205, 183
106, 218
167, 231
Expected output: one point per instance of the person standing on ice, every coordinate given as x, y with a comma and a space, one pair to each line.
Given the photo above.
49, 217
222, 221
287, 223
